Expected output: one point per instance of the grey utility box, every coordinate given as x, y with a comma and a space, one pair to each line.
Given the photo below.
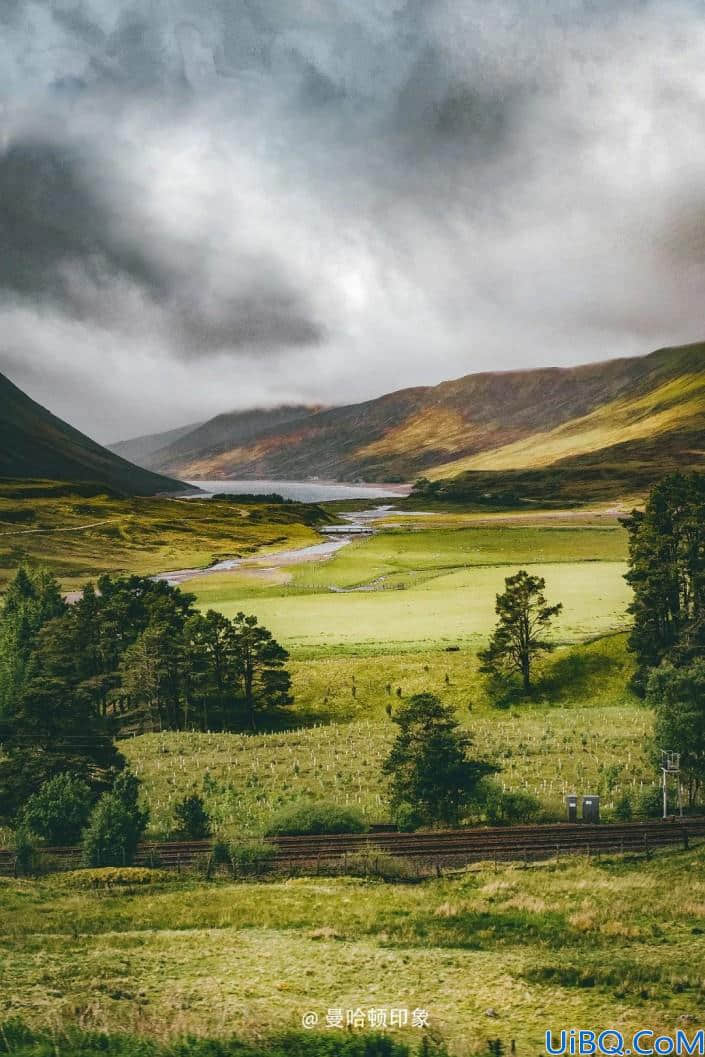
571, 808
591, 809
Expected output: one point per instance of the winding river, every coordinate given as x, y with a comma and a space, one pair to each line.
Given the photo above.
352, 526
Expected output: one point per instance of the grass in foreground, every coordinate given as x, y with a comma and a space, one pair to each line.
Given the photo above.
19, 1041
612, 942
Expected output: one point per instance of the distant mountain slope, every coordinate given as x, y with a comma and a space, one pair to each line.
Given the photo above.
35, 444
206, 445
669, 396
491, 423
138, 449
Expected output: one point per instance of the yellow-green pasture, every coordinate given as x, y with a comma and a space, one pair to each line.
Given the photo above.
497, 952
450, 608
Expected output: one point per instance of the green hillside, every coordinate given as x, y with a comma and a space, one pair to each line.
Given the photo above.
34, 444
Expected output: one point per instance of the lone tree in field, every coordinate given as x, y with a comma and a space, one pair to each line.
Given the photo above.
430, 770
524, 618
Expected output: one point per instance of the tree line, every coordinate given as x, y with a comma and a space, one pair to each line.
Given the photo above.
667, 575
131, 652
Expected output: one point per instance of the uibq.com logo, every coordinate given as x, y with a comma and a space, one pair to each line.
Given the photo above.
575, 1042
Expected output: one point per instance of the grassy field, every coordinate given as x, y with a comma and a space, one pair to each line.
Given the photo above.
456, 608
582, 732
426, 583
79, 538
505, 952
499, 952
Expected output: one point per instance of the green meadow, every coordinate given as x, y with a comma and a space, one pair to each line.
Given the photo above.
495, 952
582, 731
419, 585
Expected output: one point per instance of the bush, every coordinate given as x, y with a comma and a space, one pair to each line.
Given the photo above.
650, 803
114, 877
407, 817
252, 857
191, 818
509, 808
58, 812
308, 819
26, 854
623, 809
116, 825
375, 862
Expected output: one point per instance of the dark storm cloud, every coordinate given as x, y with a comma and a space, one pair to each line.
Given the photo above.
212, 203
65, 241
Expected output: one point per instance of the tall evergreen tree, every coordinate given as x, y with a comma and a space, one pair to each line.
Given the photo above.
677, 696
263, 682
32, 599
667, 574
524, 618
428, 765
52, 727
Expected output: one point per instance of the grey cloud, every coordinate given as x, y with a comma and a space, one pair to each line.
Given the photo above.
327, 199
66, 241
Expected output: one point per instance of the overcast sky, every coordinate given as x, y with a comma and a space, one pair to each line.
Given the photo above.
213, 204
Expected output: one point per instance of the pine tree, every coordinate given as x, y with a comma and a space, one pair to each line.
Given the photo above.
429, 768
667, 574
524, 618
263, 682
32, 599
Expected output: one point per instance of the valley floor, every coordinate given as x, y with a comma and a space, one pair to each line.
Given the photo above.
491, 953
584, 732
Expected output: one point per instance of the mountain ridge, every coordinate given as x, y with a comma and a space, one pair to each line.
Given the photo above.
489, 422
35, 444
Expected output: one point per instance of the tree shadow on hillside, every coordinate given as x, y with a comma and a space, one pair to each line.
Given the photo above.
574, 676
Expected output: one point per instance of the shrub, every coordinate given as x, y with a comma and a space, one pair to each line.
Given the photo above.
650, 803
307, 819
116, 825
191, 818
114, 877
252, 857
509, 808
623, 809
219, 856
375, 862
407, 817
58, 812
26, 855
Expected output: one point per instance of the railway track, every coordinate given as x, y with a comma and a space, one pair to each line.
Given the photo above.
440, 848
